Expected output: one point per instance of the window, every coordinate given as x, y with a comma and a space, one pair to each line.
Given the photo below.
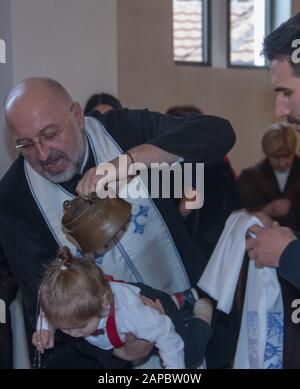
190, 31
249, 22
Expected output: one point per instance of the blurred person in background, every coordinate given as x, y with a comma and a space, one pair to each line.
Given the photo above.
102, 102
272, 186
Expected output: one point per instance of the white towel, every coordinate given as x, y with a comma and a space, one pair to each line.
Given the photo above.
221, 275
260, 343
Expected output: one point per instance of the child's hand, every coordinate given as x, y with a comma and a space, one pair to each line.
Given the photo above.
203, 310
43, 340
153, 304
134, 349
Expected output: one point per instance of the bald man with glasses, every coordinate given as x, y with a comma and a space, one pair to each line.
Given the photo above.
60, 150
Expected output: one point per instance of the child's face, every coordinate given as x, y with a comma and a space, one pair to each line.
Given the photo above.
83, 331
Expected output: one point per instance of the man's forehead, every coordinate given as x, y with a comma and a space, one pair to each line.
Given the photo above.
33, 94
32, 107
281, 70
281, 75
29, 119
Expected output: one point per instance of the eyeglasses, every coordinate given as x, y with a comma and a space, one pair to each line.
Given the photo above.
48, 136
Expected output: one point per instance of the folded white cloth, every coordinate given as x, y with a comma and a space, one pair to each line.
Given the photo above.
260, 343
221, 275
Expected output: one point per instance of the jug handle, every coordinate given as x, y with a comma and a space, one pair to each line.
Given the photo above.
67, 204
92, 197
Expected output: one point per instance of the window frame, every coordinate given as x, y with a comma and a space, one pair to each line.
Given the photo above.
206, 38
268, 23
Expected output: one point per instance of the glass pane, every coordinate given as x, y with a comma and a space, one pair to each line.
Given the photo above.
188, 30
247, 30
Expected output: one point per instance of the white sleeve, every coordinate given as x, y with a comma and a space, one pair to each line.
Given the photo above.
147, 323
42, 323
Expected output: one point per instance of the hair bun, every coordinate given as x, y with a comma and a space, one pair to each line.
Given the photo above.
64, 256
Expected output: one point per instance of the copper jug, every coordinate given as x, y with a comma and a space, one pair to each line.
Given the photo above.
95, 222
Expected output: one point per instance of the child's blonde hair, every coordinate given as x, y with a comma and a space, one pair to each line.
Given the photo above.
279, 140
73, 291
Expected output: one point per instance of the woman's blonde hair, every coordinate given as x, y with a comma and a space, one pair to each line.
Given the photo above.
279, 140
73, 291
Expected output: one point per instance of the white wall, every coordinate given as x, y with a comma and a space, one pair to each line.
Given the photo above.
72, 41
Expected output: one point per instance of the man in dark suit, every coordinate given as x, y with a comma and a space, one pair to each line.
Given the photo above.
277, 246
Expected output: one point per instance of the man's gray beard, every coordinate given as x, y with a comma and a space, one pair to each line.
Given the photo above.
65, 176
70, 173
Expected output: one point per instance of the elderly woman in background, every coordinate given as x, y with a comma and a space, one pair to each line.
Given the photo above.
272, 187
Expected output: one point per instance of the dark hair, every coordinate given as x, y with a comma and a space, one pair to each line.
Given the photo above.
278, 44
102, 98
183, 110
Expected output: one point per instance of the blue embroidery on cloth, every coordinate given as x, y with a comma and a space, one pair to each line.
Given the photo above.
274, 344
135, 218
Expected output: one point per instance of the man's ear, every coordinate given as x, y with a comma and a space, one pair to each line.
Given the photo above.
79, 115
